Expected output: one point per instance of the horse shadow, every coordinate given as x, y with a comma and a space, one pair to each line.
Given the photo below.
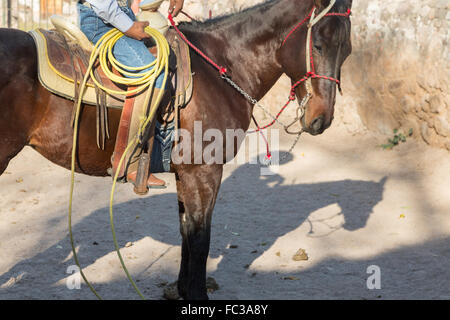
275, 207
252, 212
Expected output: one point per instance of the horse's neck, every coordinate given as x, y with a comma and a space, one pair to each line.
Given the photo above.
247, 43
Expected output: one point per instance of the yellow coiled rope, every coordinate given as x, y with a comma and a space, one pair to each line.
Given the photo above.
146, 80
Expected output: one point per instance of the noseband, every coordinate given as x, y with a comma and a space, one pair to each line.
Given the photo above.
310, 67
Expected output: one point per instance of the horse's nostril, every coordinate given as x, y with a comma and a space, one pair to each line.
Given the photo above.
317, 124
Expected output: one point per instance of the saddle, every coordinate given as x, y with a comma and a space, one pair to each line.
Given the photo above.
63, 60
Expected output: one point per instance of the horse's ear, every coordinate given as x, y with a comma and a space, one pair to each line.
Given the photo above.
320, 4
383, 181
349, 3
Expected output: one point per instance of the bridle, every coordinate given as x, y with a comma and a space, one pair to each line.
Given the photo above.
310, 66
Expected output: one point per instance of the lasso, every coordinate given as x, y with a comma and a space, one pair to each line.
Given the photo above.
146, 80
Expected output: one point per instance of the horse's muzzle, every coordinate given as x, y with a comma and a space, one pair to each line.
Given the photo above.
317, 126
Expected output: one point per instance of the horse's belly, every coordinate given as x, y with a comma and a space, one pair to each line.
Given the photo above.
53, 137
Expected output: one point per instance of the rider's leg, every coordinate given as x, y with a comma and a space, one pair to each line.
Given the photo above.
132, 53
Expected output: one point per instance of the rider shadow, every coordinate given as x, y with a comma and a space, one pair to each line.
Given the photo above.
251, 209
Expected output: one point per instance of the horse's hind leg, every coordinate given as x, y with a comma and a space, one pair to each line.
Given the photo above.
17, 116
197, 188
9, 148
13, 132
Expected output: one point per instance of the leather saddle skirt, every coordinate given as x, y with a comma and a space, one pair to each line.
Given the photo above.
62, 64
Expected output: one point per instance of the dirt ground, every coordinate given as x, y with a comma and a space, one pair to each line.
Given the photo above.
346, 202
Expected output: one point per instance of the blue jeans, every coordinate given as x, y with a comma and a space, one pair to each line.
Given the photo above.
128, 51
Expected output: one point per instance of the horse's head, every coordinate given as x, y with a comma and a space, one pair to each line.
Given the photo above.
318, 72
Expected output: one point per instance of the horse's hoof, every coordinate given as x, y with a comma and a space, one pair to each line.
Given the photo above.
171, 291
211, 285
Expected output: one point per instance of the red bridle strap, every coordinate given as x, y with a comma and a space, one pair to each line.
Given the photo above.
312, 74
308, 17
298, 26
222, 70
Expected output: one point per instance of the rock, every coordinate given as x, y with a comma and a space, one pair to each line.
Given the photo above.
443, 4
301, 255
425, 132
395, 86
436, 105
442, 126
128, 244
407, 104
432, 14
425, 11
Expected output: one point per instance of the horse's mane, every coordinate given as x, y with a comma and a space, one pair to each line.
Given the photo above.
226, 20
222, 21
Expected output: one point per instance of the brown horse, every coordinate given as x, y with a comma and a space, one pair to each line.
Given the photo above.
249, 43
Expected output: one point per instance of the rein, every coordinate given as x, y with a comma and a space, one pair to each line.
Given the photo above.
307, 78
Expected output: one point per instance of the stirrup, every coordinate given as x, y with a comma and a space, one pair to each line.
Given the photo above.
142, 175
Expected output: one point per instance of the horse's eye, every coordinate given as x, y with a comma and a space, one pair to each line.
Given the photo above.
318, 48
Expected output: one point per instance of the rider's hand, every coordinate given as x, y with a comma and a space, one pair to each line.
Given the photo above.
137, 30
175, 7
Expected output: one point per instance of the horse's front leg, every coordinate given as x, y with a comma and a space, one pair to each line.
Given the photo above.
197, 187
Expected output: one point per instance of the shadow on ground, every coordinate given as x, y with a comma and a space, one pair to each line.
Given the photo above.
266, 210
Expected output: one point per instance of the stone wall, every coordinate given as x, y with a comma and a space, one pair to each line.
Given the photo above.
399, 73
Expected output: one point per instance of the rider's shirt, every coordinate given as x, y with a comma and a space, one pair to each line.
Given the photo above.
109, 11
